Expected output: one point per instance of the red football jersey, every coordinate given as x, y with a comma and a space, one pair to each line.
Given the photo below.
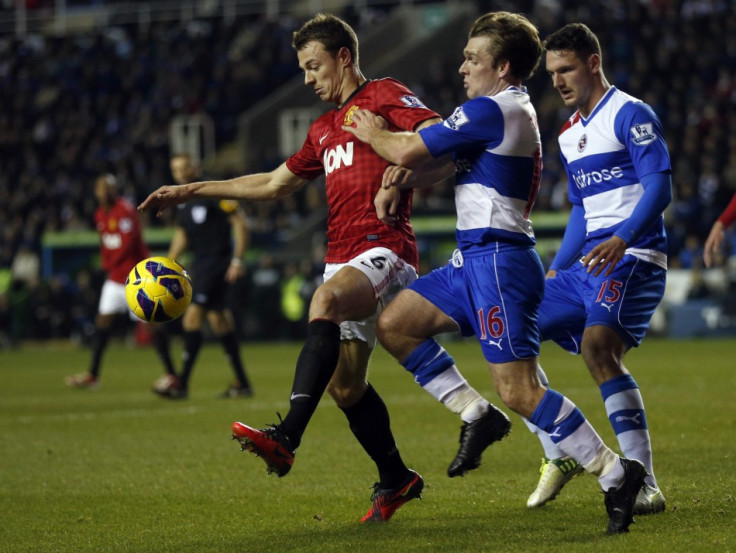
121, 240
353, 172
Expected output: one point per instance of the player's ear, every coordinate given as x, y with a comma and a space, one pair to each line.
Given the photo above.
504, 68
344, 57
594, 63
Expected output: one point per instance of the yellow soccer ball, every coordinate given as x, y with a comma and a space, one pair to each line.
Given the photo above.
158, 290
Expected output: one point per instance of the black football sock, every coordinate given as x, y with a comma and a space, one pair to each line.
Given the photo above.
371, 425
192, 342
161, 343
102, 335
232, 351
314, 368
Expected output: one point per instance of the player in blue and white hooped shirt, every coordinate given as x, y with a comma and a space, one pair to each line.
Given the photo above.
493, 285
609, 274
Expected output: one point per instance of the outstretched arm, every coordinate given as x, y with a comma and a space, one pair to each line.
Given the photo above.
256, 187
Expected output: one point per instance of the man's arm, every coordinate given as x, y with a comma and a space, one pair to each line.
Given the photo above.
241, 236
427, 174
717, 234
572, 241
400, 148
178, 244
256, 187
657, 196
420, 169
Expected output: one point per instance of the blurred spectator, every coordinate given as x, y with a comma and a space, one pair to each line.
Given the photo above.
293, 302
690, 256
86, 294
699, 289
265, 293
26, 267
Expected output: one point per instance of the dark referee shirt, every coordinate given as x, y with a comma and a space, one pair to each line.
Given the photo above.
206, 224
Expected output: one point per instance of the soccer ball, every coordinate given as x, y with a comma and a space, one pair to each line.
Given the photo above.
158, 290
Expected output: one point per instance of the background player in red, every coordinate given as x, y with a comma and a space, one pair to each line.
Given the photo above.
717, 232
121, 247
368, 262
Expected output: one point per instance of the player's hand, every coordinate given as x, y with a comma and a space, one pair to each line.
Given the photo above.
234, 272
387, 203
713, 243
165, 197
605, 255
552, 273
366, 125
395, 175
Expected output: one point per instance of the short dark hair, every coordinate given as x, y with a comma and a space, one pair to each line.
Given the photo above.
574, 37
513, 38
331, 31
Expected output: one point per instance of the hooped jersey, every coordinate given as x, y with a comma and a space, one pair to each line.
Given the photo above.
606, 156
497, 151
121, 240
353, 172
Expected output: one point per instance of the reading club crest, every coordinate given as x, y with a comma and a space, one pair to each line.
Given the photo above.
582, 143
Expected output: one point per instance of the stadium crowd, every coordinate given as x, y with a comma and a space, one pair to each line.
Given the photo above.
74, 106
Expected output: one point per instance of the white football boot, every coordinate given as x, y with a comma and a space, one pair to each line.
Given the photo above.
554, 474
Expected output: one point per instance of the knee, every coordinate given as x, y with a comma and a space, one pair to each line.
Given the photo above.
603, 364
384, 326
521, 395
390, 329
219, 325
325, 304
346, 394
599, 357
513, 398
193, 318
103, 322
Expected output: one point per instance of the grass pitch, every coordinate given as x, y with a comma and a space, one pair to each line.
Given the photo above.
119, 469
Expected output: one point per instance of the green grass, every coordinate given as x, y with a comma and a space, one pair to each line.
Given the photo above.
118, 469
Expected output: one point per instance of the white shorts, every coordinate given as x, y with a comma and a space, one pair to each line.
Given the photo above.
112, 300
388, 273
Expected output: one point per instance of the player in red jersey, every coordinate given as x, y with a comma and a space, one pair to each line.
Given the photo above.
717, 232
121, 247
368, 262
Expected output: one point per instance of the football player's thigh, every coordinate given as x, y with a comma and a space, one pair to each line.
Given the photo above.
347, 295
413, 314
